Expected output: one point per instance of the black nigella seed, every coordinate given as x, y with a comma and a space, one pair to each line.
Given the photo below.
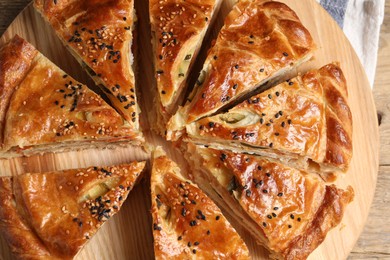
211, 124
283, 124
280, 194
277, 93
261, 70
289, 226
299, 219
289, 121
273, 214
276, 208
217, 217
269, 96
269, 216
208, 232
291, 83
180, 238
264, 224
223, 157
235, 86
156, 227
163, 92
265, 191
193, 223
285, 54
259, 168
189, 244
271, 144
248, 193
196, 243
268, 174
292, 216
261, 120
236, 66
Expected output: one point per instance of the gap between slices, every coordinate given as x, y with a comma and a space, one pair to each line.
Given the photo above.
100, 37
54, 214
45, 110
186, 223
288, 211
246, 57
305, 122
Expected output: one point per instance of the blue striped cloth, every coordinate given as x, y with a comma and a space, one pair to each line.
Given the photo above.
336, 9
361, 21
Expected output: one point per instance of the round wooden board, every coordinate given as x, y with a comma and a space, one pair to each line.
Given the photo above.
128, 235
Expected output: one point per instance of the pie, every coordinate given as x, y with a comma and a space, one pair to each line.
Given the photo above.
186, 223
259, 42
178, 29
53, 215
43, 109
99, 34
287, 210
305, 121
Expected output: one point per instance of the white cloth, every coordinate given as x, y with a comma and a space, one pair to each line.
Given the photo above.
361, 21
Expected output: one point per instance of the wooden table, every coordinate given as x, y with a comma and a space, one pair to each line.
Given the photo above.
374, 242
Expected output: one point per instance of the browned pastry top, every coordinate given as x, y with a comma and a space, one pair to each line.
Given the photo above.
186, 223
15, 61
177, 26
100, 33
54, 214
307, 116
44, 105
258, 40
293, 210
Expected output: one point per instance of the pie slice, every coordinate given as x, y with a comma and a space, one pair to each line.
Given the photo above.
42, 109
178, 29
53, 215
305, 121
288, 211
186, 223
257, 45
99, 35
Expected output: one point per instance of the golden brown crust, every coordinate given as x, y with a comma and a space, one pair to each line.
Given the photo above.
306, 117
293, 210
49, 108
100, 34
258, 42
338, 117
24, 243
178, 28
186, 223
327, 217
15, 61
52, 215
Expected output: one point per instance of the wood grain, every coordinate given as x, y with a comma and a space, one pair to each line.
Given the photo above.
128, 235
375, 239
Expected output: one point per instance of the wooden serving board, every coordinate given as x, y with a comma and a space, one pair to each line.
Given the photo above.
129, 235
